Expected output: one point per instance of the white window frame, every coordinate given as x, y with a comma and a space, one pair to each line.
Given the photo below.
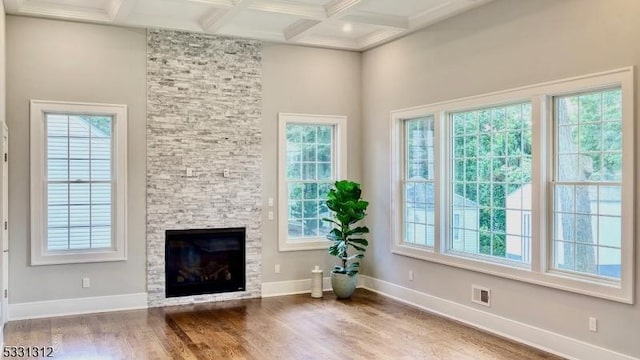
39, 253
539, 271
339, 160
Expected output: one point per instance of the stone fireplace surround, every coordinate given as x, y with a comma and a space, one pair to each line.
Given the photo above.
203, 114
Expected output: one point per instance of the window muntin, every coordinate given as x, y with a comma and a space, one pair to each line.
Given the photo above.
491, 180
310, 173
418, 183
79, 182
587, 206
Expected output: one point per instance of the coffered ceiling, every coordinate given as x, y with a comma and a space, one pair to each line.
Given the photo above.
342, 24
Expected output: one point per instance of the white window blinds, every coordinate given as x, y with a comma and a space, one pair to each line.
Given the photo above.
79, 182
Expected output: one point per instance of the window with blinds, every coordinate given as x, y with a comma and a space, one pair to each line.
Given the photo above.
78, 166
79, 181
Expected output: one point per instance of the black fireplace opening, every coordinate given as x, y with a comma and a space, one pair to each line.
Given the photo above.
204, 261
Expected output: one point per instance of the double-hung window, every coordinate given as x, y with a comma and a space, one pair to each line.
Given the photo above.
588, 175
78, 182
312, 156
418, 182
534, 184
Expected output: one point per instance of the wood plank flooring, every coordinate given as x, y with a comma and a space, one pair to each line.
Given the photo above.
369, 326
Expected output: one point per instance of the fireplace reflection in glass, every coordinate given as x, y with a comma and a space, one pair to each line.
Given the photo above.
204, 261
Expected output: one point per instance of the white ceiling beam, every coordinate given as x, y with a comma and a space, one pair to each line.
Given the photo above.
219, 17
337, 7
119, 10
296, 30
13, 6
67, 12
253, 34
371, 18
307, 11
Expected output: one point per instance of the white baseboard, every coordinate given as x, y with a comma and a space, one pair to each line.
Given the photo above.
291, 287
63, 307
517, 331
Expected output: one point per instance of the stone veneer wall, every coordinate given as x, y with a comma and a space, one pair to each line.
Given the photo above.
204, 105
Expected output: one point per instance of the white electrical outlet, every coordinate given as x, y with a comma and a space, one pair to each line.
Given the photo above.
270, 215
277, 269
189, 172
225, 173
593, 324
270, 202
410, 275
86, 282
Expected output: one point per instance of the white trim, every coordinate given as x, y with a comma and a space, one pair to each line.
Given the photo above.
39, 255
539, 271
292, 287
539, 338
339, 153
87, 305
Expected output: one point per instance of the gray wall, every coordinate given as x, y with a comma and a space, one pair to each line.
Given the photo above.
505, 44
55, 60
313, 81
94, 63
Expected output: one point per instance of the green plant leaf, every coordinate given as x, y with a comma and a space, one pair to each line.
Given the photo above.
359, 248
331, 221
357, 231
359, 241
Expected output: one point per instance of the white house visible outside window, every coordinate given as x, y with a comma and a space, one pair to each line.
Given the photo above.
78, 182
418, 183
312, 157
534, 183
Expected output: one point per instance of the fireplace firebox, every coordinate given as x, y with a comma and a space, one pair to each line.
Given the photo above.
204, 261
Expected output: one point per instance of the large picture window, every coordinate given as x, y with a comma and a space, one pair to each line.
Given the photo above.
312, 158
534, 184
78, 164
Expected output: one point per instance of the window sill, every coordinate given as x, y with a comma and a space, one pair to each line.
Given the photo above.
78, 257
306, 244
553, 279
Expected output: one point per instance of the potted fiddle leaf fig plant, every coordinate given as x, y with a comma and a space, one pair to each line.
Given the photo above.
347, 241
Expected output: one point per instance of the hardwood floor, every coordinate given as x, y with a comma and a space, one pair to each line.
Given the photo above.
369, 326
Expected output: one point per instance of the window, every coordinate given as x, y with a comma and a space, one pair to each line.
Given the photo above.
419, 182
312, 157
491, 172
78, 182
588, 183
524, 183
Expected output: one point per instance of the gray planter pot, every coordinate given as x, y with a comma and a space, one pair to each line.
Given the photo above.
343, 285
